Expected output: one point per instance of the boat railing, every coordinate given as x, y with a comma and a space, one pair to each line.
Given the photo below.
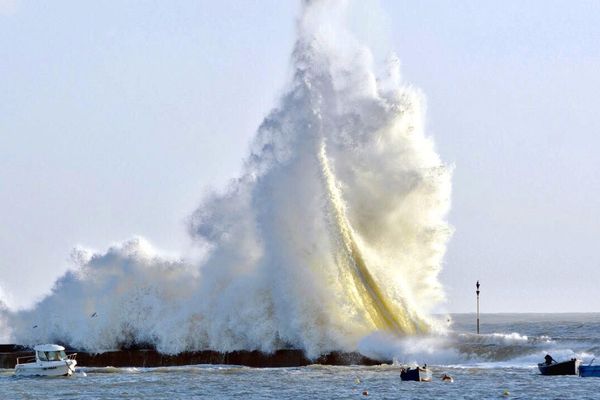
26, 359
29, 359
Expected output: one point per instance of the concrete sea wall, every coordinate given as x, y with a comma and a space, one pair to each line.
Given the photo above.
152, 358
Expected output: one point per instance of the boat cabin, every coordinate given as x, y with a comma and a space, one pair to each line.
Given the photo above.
49, 360
50, 352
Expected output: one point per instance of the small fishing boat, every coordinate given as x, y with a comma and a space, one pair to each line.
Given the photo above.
49, 360
589, 370
418, 374
570, 367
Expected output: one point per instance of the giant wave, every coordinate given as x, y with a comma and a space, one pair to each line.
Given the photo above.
335, 230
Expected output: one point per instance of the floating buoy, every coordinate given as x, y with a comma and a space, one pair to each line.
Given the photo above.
506, 393
365, 393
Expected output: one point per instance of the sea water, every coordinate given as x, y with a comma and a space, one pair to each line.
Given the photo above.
501, 364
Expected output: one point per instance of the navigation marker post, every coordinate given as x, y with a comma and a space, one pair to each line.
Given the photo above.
477, 291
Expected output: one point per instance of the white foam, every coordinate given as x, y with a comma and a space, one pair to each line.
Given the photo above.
288, 235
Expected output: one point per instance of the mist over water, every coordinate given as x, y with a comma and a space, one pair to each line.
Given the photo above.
334, 232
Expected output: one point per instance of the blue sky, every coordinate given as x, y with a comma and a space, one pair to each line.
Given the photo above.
116, 117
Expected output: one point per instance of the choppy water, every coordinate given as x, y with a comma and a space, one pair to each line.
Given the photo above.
523, 340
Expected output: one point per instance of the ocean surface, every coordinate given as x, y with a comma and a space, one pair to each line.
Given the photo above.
499, 363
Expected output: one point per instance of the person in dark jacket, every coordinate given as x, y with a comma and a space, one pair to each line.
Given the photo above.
549, 359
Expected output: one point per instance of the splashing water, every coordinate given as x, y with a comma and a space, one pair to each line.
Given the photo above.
372, 300
336, 229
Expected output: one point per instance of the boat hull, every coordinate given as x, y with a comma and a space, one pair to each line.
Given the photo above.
55, 368
416, 374
570, 367
589, 370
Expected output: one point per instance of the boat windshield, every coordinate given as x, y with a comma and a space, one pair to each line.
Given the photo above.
54, 355
42, 356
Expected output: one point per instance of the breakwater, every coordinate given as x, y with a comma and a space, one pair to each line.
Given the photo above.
152, 358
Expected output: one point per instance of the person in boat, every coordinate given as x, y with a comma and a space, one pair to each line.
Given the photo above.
549, 359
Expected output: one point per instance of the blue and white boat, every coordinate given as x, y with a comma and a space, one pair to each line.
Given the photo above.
589, 370
49, 360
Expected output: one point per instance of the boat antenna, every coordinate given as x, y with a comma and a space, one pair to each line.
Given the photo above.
477, 291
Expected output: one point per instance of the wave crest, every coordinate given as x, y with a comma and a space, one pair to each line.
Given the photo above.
335, 229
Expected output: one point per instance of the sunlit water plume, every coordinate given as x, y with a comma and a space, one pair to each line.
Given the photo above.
335, 229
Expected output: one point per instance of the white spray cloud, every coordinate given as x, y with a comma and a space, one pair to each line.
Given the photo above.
5, 331
125, 296
336, 228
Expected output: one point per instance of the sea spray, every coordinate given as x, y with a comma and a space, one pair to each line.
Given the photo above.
370, 297
334, 230
123, 297
469, 349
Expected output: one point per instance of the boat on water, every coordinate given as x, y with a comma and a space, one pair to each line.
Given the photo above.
49, 360
589, 370
418, 374
570, 367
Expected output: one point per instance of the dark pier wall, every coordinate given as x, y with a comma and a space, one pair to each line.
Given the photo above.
152, 358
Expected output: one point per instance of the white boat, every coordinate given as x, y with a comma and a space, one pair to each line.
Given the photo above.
49, 360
